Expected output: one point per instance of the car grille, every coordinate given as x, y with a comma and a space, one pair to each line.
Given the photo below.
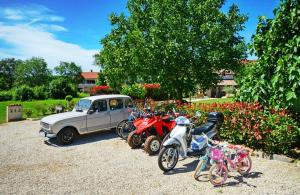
45, 125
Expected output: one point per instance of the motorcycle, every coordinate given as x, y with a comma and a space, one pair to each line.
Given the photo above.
186, 140
151, 131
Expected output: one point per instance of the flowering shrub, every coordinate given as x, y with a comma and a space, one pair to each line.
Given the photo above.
252, 125
136, 91
102, 89
152, 86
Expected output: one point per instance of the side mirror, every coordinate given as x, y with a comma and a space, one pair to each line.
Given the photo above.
91, 111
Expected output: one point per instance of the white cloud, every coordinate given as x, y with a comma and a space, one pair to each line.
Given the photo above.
25, 39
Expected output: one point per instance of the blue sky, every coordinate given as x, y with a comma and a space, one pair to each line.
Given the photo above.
68, 30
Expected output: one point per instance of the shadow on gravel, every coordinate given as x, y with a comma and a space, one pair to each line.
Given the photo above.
189, 167
85, 139
240, 179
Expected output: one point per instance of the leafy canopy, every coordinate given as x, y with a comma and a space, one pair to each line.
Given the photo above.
69, 70
32, 72
7, 71
275, 78
179, 44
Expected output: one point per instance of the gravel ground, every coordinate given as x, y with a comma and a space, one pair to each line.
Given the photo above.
103, 164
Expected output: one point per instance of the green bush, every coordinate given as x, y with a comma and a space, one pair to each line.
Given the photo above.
41, 109
136, 91
40, 92
27, 112
68, 98
6, 95
51, 109
82, 95
59, 88
24, 93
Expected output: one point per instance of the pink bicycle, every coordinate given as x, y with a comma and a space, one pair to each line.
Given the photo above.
230, 158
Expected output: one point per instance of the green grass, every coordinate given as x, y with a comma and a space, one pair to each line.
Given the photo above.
34, 105
217, 100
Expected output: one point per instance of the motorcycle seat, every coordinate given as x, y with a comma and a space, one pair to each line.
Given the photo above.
203, 128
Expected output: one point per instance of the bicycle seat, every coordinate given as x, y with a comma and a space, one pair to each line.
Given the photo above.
203, 128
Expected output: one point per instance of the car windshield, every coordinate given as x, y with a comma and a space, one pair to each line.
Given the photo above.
83, 104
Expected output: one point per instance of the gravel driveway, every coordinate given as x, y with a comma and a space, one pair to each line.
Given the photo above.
103, 164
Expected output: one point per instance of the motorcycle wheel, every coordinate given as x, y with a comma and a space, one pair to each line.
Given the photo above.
218, 174
200, 167
127, 128
168, 155
163, 141
119, 127
245, 165
134, 140
152, 145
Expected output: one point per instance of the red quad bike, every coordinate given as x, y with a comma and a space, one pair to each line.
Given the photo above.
151, 131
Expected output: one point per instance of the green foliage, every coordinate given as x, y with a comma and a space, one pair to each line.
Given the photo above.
135, 91
229, 89
6, 95
7, 70
24, 93
179, 44
274, 80
41, 109
27, 112
68, 98
101, 80
82, 95
252, 125
40, 92
59, 88
69, 71
32, 72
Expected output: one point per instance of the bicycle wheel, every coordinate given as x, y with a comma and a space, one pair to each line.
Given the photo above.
200, 167
245, 165
218, 174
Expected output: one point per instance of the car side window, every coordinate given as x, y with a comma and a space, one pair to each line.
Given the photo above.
128, 103
116, 104
100, 105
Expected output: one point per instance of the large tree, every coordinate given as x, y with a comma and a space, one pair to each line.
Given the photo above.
275, 78
70, 71
7, 70
32, 72
179, 44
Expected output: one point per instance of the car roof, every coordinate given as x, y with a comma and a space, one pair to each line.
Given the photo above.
97, 97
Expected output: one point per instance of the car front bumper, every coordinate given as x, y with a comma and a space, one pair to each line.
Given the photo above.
44, 133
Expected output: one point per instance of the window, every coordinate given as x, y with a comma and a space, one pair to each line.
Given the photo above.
90, 81
128, 103
116, 104
83, 104
99, 105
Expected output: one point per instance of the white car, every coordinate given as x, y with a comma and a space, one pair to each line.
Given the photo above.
90, 114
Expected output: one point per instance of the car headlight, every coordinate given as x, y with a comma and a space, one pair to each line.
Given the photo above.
45, 125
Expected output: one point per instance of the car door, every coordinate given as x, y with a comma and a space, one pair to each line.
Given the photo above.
98, 117
116, 106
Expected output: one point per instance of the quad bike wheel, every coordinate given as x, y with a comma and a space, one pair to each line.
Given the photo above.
152, 145
134, 140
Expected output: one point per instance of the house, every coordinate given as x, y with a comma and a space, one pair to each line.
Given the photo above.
88, 81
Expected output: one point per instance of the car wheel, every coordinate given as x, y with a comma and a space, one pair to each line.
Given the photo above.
66, 136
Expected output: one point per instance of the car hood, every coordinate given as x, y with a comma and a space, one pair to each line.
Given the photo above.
62, 116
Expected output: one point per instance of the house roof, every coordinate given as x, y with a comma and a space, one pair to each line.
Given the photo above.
227, 83
90, 75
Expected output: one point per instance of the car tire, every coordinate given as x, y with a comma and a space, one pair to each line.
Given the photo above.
66, 136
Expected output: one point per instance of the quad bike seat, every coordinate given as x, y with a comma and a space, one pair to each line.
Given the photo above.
167, 119
203, 128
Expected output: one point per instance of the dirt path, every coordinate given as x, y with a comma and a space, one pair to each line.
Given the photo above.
104, 164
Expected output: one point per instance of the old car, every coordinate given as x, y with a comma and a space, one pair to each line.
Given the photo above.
90, 114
